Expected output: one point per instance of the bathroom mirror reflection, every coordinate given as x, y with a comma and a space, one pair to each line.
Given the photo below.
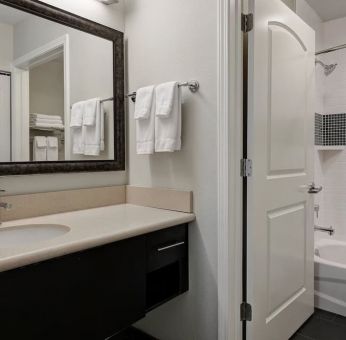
56, 91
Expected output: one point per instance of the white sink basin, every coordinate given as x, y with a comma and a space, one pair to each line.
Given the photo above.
22, 235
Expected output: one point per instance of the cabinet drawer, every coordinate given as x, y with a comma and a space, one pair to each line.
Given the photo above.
166, 246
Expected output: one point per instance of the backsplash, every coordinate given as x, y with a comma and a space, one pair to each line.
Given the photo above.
330, 129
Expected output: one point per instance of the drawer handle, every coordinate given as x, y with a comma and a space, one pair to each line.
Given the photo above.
171, 246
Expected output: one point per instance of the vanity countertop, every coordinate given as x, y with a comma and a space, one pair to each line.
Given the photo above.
88, 228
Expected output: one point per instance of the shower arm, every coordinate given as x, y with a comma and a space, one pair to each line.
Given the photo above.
317, 61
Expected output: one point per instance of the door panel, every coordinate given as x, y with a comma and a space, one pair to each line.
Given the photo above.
280, 142
285, 250
287, 78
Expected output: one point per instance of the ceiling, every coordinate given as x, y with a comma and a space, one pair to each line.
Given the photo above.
11, 16
329, 9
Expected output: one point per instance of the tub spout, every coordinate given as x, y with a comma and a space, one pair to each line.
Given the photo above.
330, 231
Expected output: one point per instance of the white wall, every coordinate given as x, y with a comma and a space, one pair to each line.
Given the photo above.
290, 3
111, 16
47, 88
6, 50
176, 40
334, 32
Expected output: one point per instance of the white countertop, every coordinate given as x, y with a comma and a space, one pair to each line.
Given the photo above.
89, 228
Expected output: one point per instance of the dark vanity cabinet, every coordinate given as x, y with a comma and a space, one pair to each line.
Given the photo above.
95, 293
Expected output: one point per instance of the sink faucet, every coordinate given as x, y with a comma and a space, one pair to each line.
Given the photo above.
330, 231
4, 205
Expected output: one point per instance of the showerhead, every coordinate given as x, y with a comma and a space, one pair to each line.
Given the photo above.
328, 69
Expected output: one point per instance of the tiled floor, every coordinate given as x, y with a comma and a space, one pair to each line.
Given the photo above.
132, 334
322, 326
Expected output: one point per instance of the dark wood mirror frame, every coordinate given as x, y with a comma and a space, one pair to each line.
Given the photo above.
60, 16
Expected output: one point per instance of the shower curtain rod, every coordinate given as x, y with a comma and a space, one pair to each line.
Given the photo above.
332, 49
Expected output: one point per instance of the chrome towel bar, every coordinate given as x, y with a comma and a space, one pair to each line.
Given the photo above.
193, 86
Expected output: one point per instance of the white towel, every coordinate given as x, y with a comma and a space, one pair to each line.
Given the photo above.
90, 107
144, 100
57, 126
77, 129
40, 148
145, 132
93, 134
42, 116
46, 121
52, 149
77, 113
168, 128
165, 97
102, 143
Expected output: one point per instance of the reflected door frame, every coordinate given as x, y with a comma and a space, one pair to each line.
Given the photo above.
20, 91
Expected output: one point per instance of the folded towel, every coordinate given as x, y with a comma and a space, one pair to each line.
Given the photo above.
90, 107
40, 149
144, 101
42, 116
168, 128
145, 132
93, 134
46, 121
77, 113
165, 96
47, 126
77, 128
52, 149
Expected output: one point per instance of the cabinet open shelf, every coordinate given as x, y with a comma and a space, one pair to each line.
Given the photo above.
46, 129
330, 147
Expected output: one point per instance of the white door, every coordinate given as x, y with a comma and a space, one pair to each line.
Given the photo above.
280, 210
5, 117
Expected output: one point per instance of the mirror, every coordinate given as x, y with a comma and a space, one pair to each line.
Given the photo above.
59, 91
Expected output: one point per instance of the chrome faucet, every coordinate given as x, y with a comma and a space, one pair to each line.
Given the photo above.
4, 205
330, 231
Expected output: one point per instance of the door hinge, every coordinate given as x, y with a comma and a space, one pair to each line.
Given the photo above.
245, 167
247, 22
245, 312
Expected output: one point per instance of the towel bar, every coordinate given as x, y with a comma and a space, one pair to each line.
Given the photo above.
193, 86
102, 101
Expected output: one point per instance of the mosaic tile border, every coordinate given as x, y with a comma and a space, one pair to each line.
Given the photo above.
330, 129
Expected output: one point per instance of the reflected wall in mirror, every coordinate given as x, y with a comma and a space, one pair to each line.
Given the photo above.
56, 91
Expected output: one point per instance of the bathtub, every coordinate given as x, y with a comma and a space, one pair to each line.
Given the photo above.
330, 276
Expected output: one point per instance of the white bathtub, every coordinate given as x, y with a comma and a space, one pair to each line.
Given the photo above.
330, 276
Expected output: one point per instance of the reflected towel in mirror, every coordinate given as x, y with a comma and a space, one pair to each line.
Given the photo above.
40, 148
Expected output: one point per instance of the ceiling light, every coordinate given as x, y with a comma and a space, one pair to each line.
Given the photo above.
109, 2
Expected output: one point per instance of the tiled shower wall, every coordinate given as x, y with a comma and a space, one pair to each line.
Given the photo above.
330, 166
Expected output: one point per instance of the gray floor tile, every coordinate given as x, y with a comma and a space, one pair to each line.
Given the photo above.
319, 313
300, 337
320, 329
340, 320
